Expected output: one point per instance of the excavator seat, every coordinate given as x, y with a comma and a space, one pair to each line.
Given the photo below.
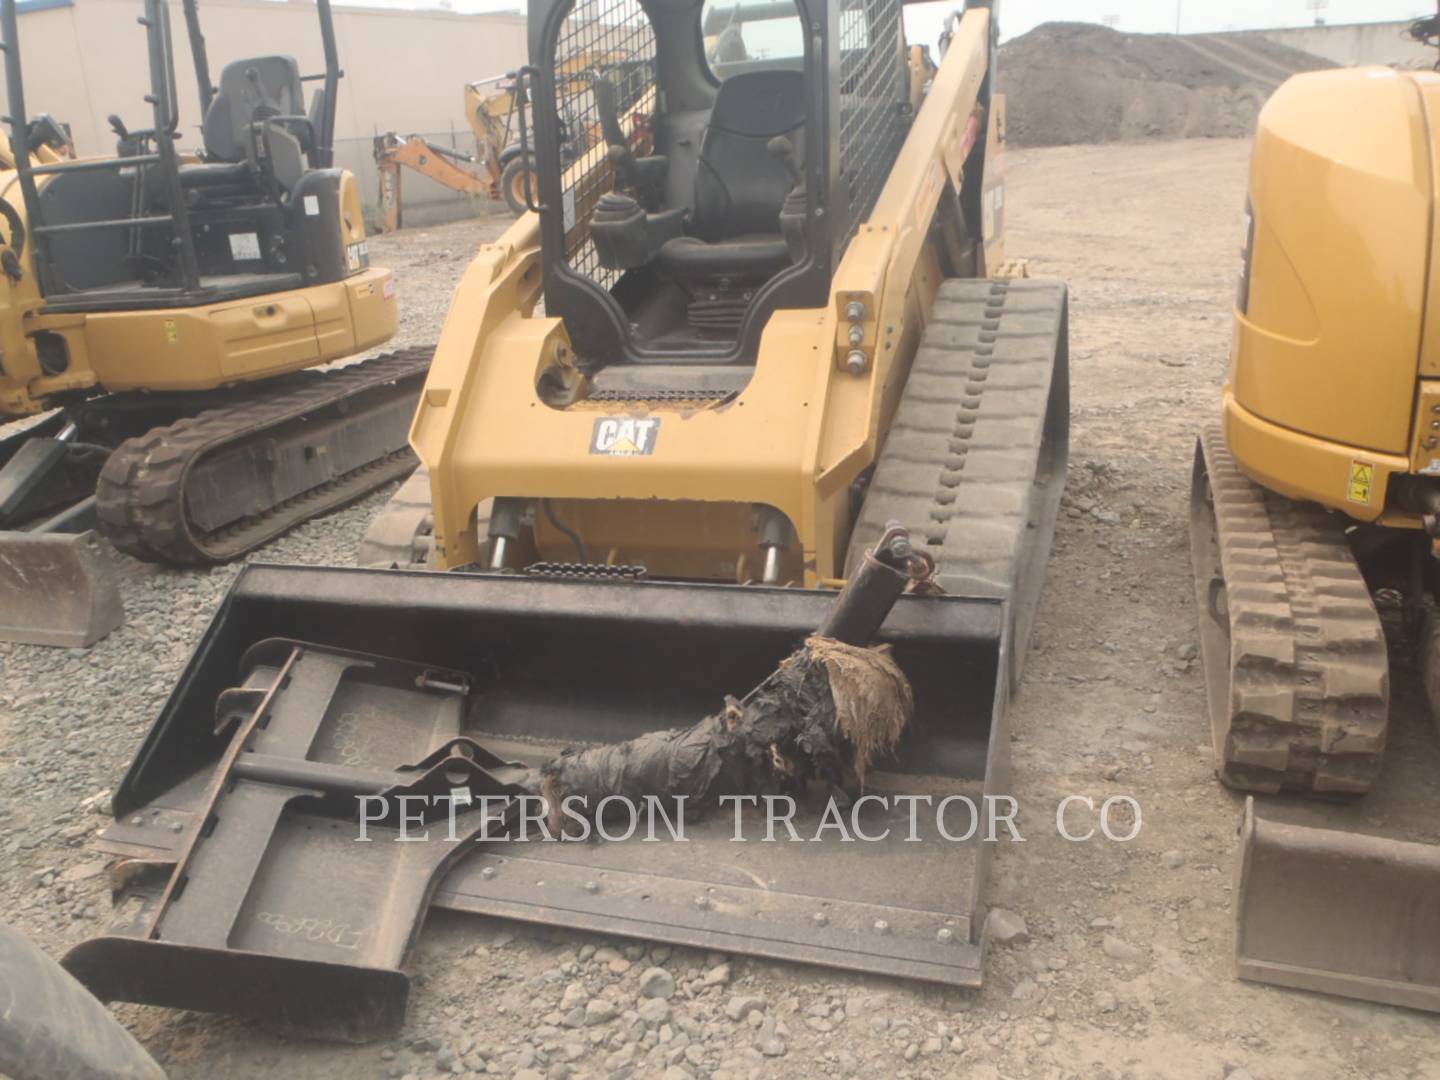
740, 183
253, 91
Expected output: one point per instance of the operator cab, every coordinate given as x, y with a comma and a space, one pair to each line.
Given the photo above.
718, 175
256, 210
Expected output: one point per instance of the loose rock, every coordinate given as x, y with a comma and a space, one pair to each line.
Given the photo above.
742, 1005
1119, 949
719, 975
599, 1011
654, 1011
656, 982
1006, 927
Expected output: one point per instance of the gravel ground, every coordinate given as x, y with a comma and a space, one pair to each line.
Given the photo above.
1112, 961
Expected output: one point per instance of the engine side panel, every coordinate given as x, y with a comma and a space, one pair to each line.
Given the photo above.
1341, 193
1428, 83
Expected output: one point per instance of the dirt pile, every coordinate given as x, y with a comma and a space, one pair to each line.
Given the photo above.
1082, 83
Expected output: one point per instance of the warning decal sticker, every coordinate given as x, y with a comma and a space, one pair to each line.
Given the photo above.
1362, 479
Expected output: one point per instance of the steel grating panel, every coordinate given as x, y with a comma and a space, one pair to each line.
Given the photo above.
872, 89
610, 39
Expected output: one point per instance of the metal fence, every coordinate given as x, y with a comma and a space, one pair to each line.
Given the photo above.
611, 39
871, 92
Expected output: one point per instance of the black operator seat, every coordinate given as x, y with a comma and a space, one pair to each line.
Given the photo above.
252, 91
740, 183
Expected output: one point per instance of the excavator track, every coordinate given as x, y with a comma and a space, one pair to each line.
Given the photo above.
975, 458
1296, 668
211, 487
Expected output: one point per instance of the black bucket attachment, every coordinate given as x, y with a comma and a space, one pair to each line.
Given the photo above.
57, 588
58, 582
1339, 912
249, 893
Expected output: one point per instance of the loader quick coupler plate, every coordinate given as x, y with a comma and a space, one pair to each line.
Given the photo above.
261, 823
268, 875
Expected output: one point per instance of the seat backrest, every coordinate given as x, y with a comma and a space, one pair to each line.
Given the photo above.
317, 112
739, 185
250, 90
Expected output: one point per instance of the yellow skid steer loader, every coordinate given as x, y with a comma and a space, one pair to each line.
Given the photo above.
774, 378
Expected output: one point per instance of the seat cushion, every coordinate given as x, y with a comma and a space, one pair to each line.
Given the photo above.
759, 255
215, 174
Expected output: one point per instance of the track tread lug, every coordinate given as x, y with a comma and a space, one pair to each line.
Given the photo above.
1306, 701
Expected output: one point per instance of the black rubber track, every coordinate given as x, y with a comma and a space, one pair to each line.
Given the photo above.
140, 498
50, 1026
974, 461
1295, 661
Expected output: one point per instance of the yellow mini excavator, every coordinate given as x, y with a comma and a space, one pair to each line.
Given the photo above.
1319, 490
161, 306
775, 364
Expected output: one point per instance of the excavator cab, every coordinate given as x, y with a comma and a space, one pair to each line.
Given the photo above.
256, 209
142, 291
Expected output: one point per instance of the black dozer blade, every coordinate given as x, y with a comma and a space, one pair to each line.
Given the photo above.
248, 893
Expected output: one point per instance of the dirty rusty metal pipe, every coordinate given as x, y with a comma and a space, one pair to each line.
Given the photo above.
868, 596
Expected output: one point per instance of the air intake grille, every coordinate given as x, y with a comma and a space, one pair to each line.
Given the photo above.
872, 88
610, 39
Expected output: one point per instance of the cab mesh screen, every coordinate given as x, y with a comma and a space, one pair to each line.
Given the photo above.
872, 88
599, 39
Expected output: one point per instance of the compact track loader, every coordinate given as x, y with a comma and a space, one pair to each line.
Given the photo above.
1318, 492
162, 306
776, 376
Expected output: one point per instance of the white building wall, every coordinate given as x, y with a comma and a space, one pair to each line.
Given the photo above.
1359, 43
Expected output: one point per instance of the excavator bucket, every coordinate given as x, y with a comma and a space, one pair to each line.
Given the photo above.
1339, 912
243, 868
57, 589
